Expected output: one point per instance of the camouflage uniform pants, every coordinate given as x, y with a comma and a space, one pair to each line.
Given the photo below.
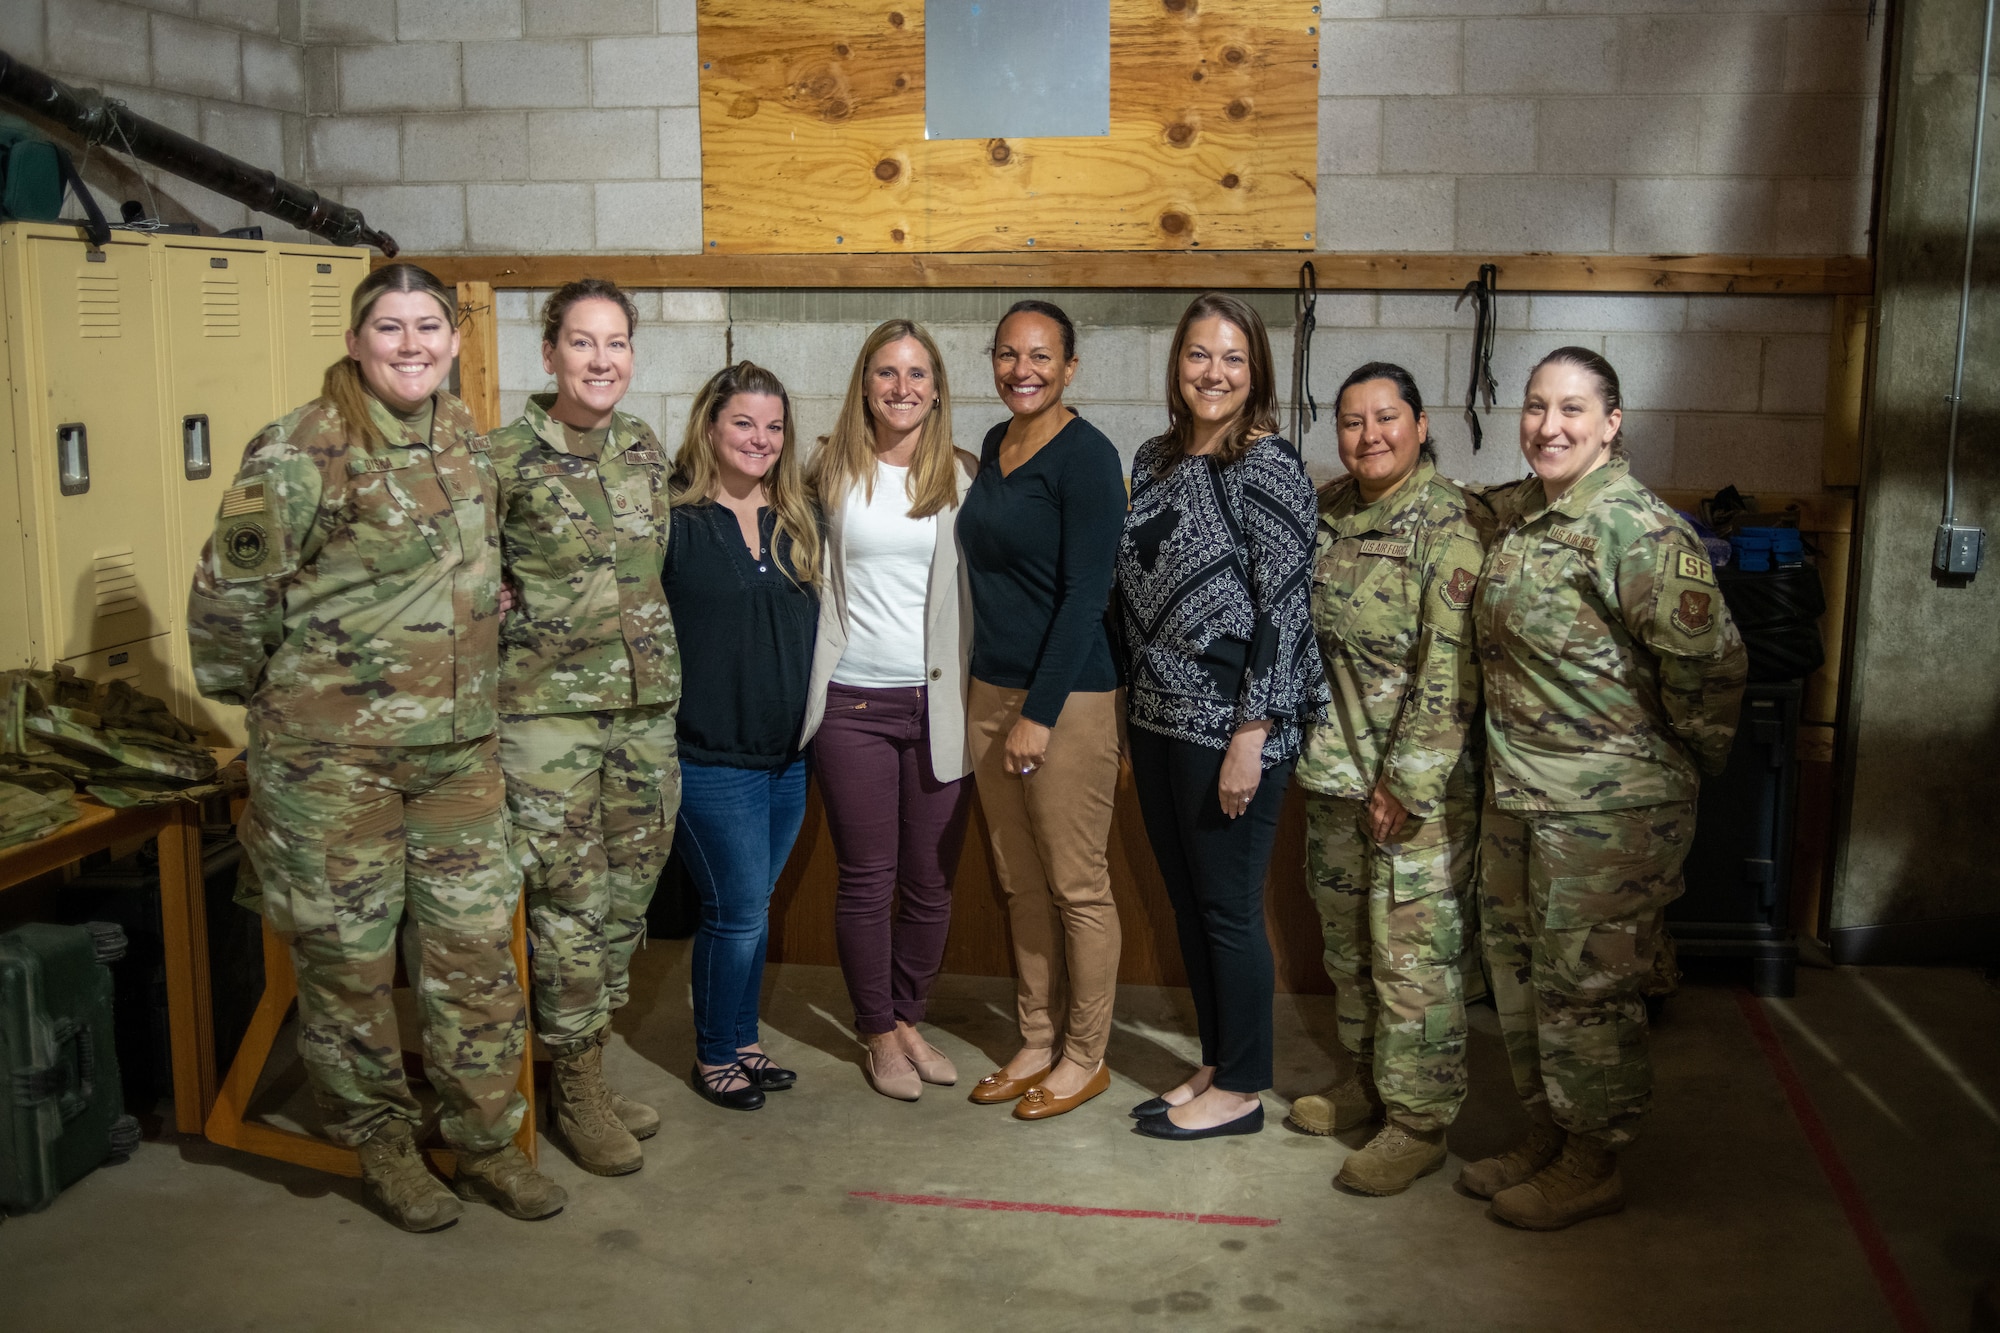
1394, 919
347, 838
1572, 910
592, 797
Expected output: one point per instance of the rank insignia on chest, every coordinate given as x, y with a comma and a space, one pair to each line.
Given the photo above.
1693, 615
1693, 568
1458, 588
1582, 541
1503, 565
1395, 550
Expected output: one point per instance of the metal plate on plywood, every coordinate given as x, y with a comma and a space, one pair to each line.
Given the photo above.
813, 136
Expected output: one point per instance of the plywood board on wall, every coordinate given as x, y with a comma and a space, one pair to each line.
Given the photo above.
812, 134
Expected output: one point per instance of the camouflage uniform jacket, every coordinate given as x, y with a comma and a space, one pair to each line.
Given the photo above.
583, 540
1393, 584
350, 593
1612, 667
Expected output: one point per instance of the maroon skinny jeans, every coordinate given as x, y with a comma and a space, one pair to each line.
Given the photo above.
896, 835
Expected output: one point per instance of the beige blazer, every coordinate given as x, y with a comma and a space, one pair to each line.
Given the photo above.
947, 635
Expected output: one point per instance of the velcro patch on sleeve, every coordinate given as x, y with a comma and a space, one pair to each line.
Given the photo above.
1395, 550
1693, 568
1582, 541
248, 547
1457, 590
1694, 613
245, 499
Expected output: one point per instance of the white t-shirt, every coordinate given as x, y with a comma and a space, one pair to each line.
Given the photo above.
886, 556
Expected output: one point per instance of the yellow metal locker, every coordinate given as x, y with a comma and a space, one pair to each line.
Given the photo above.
222, 388
93, 444
136, 374
147, 665
315, 285
15, 638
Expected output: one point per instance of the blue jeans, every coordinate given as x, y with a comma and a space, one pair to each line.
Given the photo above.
737, 827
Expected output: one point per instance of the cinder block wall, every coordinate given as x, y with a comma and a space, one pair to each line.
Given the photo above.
570, 126
231, 73
1596, 125
1723, 389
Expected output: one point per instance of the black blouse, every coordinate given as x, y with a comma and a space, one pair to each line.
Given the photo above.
1214, 593
746, 636
1038, 546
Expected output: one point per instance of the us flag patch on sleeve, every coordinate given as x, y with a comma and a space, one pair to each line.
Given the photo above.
245, 499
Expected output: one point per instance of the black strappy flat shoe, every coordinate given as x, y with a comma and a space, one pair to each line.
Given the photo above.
765, 1072
712, 1086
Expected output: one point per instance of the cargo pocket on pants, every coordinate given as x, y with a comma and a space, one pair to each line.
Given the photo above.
1444, 1023
291, 871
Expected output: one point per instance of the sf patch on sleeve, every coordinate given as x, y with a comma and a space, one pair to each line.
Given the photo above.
248, 542
1688, 600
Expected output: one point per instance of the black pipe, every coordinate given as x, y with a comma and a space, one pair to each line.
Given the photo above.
107, 121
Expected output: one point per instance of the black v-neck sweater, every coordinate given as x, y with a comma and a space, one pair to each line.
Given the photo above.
1039, 545
746, 637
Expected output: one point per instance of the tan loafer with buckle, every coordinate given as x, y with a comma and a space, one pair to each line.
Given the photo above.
1038, 1103
993, 1089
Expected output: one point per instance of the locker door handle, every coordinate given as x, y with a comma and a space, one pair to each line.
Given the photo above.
73, 458
196, 462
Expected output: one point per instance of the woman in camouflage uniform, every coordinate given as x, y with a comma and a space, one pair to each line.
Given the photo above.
589, 677
1392, 791
349, 598
1613, 675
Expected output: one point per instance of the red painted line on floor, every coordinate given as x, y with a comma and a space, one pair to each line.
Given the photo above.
1061, 1209
1874, 1245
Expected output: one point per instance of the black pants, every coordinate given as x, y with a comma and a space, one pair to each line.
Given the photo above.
1214, 868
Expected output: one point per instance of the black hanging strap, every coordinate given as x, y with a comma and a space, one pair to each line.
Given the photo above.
1484, 292
95, 228
1304, 320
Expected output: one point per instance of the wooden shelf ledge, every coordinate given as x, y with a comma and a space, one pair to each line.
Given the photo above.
1791, 275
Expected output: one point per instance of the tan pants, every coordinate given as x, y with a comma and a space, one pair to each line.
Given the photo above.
1050, 831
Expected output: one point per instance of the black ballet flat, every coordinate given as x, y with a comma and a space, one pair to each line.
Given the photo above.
748, 1097
1157, 1106
1159, 1127
765, 1072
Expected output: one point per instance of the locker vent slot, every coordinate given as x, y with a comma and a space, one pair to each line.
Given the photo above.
97, 312
326, 313
116, 575
221, 307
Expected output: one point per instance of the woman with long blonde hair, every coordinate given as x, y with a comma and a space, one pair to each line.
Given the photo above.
887, 710
741, 575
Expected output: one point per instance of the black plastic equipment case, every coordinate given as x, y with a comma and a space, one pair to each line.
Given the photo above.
62, 1113
127, 892
1739, 871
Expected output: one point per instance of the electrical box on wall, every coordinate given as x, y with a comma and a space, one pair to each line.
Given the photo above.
138, 371
1960, 548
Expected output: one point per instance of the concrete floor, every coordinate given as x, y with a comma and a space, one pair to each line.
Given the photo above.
753, 1221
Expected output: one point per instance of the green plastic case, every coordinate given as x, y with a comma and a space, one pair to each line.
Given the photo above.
62, 1111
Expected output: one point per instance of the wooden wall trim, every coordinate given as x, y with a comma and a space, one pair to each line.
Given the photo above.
1796, 275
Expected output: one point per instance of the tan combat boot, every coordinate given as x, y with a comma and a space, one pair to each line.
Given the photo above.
506, 1179
1487, 1177
641, 1120
1350, 1102
1581, 1183
401, 1184
1393, 1160
580, 1105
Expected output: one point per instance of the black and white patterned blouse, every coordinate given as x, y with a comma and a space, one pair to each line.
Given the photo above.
1214, 588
